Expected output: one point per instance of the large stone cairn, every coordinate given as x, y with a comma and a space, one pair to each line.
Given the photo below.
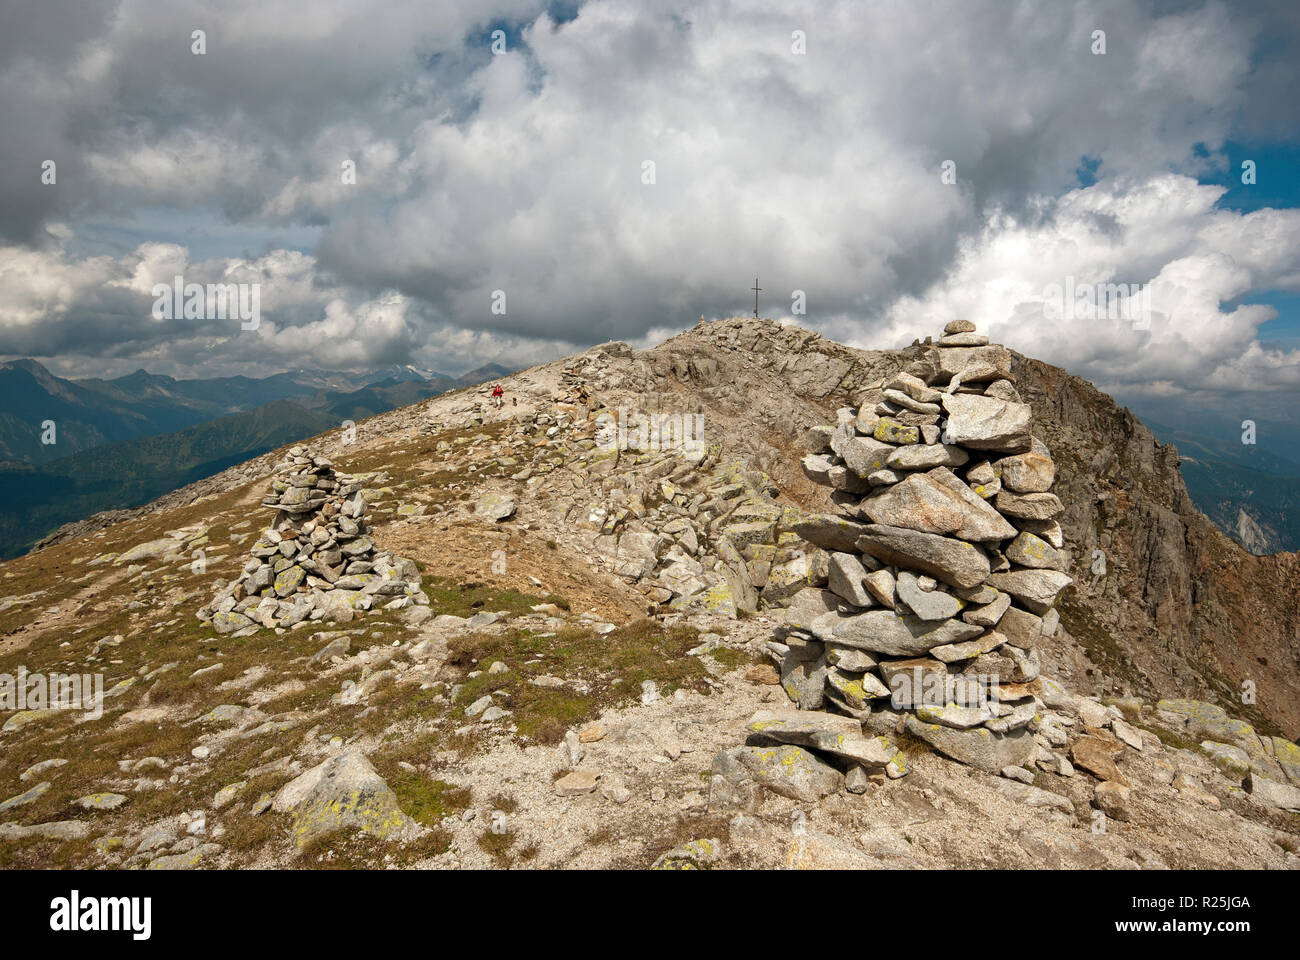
946, 558
316, 561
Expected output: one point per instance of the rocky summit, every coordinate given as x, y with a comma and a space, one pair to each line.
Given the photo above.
943, 606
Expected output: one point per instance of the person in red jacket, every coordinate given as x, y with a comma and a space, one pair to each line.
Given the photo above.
497, 394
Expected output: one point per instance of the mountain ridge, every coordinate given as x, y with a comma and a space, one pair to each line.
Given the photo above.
583, 629
1189, 593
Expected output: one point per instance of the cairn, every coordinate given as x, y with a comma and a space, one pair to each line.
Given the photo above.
945, 560
316, 561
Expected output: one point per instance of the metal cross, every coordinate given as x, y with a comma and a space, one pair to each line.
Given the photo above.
756, 289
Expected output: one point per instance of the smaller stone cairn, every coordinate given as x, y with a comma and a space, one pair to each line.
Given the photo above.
946, 560
316, 561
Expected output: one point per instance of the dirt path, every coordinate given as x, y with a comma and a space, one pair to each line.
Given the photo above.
61, 614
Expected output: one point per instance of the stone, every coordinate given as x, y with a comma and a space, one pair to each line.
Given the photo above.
1026, 473
804, 680
846, 579
1035, 589
38, 768
784, 769
978, 747
864, 455
887, 632
150, 550
938, 503
1114, 800
1028, 506
809, 604
817, 468
857, 780
917, 680
227, 793
578, 783
1092, 713
1031, 796
977, 364
101, 801
1270, 793
953, 561
495, 507
230, 622
954, 715
692, 855
926, 604
187, 860
964, 340
1233, 762
1128, 734
881, 585
903, 401
1096, 756
824, 732
343, 791
926, 456
1003, 390
890, 430
959, 326
849, 659
914, 387
988, 614
1022, 629
1207, 720
1287, 755
26, 797
50, 830
967, 649
1027, 550
811, 850
856, 689
830, 532
987, 423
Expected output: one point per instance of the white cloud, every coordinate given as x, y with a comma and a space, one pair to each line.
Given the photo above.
1165, 232
523, 173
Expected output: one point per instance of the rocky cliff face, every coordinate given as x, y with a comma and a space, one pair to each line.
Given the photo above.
1163, 603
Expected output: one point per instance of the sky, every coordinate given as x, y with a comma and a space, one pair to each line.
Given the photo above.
616, 170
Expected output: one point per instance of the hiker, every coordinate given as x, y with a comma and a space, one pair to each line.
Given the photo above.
497, 394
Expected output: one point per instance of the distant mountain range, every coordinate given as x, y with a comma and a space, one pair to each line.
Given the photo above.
1251, 494
90, 413
120, 443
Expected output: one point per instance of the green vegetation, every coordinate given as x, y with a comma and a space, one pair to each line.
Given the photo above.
613, 666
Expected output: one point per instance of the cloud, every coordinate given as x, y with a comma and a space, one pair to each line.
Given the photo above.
1164, 233
526, 173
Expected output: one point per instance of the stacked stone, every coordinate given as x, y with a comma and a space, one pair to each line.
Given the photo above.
946, 558
316, 561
